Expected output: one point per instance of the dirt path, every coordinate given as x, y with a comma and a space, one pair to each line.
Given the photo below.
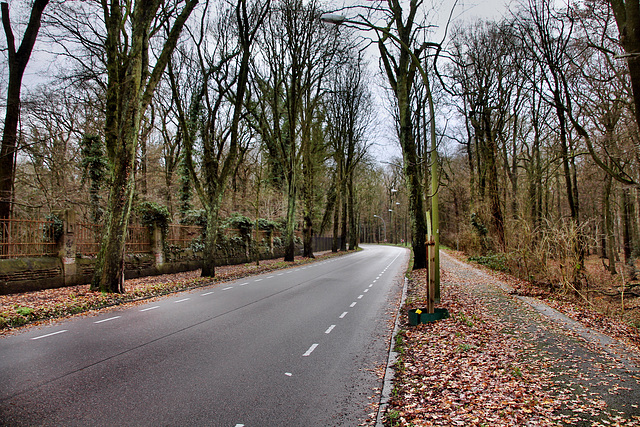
503, 359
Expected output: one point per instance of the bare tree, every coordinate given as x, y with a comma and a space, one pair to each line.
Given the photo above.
296, 54
18, 59
219, 93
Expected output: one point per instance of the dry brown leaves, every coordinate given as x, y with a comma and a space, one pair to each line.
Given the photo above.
466, 371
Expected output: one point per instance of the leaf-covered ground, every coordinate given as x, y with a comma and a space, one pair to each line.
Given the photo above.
498, 362
33, 307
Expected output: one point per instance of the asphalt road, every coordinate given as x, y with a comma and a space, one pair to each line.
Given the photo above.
298, 347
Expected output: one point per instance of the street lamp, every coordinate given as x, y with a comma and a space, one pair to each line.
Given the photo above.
332, 18
384, 224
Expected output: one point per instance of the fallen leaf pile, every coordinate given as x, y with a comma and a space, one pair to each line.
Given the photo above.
30, 307
466, 370
498, 362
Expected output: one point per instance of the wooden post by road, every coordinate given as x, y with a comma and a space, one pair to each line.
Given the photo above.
431, 274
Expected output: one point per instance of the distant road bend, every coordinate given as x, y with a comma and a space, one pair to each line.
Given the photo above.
293, 347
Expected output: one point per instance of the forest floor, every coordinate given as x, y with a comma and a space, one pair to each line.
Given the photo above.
505, 358
47, 305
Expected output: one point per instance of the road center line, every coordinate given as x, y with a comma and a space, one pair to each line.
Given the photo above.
181, 300
280, 274
150, 308
328, 331
206, 293
360, 296
371, 285
343, 314
242, 284
227, 288
308, 352
49, 335
258, 280
366, 290
270, 277
353, 304
106, 320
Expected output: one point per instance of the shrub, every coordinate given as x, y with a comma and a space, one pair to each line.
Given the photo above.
151, 214
55, 229
240, 222
493, 261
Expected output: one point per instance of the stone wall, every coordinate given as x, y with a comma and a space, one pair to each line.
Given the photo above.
69, 268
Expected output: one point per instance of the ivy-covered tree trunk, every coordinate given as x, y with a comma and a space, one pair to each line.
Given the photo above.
210, 243
351, 212
401, 73
289, 233
130, 88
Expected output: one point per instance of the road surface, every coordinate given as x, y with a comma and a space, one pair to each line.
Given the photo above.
300, 347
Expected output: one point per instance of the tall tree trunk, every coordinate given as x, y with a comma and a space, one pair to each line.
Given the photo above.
351, 212
18, 60
130, 88
608, 247
289, 234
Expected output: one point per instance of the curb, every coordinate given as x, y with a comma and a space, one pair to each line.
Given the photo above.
389, 373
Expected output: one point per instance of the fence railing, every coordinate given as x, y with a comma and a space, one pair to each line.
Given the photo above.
34, 238
88, 238
181, 236
27, 238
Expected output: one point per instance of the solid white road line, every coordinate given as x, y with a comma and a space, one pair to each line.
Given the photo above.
328, 331
308, 352
106, 320
343, 314
49, 335
150, 308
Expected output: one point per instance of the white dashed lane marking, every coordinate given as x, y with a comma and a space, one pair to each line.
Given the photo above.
353, 304
150, 308
181, 300
49, 335
328, 331
207, 293
107, 320
308, 352
227, 288
343, 314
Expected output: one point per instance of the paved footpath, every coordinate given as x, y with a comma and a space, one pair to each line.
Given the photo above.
598, 376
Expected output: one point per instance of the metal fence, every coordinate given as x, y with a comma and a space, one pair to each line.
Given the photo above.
33, 238
181, 236
27, 238
88, 237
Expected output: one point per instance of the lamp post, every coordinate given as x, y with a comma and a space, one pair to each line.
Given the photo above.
384, 224
335, 19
